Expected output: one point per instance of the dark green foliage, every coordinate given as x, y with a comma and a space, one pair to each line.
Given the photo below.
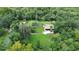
14, 36
68, 25
2, 32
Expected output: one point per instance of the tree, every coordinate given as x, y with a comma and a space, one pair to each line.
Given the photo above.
24, 31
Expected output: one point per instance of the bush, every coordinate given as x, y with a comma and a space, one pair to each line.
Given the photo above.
6, 20
2, 32
17, 46
14, 36
28, 47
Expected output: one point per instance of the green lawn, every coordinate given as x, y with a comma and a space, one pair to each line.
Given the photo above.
39, 36
41, 40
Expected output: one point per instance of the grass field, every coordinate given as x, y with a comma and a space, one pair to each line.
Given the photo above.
41, 41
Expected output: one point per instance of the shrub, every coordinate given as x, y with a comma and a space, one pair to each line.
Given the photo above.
14, 36
2, 32
17, 46
28, 47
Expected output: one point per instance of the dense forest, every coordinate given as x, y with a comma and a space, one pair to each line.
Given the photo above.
21, 29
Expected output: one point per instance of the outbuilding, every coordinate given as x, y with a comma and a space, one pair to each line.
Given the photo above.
48, 28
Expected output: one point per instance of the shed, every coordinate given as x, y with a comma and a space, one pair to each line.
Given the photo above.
48, 28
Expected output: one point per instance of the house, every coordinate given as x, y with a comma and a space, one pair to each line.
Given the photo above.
48, 28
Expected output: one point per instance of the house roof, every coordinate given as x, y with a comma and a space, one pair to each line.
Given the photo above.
48, 26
